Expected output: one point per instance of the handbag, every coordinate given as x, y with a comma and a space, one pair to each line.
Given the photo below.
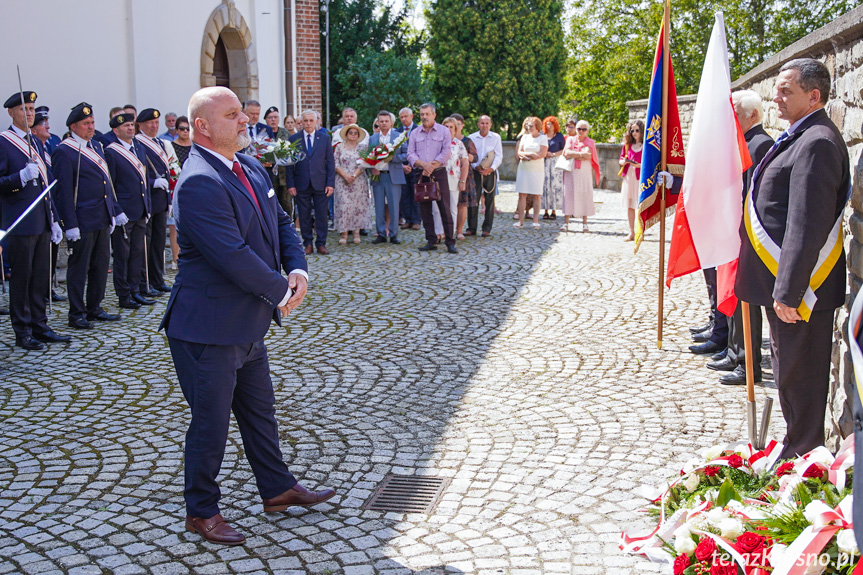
487, 161
563, 163
427, 191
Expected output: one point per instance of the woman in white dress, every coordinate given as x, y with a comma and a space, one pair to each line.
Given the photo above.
578, 184
630, 162
530, 176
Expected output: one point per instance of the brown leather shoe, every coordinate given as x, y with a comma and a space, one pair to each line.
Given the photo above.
215, 530
323, 250
298, 496
309, 250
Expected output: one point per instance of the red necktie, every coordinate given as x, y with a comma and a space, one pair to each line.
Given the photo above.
245, 181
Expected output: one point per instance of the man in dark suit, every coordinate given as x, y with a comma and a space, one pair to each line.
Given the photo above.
127, 163
88, 214
312, 182
24, 173
747, 107
234, 237
792, 220
409, 209
158, 164
252, 109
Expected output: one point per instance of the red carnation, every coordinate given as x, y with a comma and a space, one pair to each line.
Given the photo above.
785, 469
711, 470
813, 472
735, 461
706, 549
681, 563
750, 543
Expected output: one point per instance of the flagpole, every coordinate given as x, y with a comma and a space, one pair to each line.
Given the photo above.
750, 375
663, 166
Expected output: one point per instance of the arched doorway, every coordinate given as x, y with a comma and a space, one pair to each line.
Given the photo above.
227, 53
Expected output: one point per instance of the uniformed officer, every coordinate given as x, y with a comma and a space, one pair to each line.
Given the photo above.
127, 165
23, 175
88, 212
158, 164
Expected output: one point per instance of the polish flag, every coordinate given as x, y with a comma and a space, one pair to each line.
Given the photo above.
710, 205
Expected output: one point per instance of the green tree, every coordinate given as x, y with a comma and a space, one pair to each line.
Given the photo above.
612, 46
354, 26
382, 81
504, 58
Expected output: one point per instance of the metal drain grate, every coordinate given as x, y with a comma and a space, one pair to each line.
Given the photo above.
407, 494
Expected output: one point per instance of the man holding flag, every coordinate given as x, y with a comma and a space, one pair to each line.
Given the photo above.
792, 259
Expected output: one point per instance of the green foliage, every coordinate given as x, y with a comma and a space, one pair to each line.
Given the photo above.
504, 58
356, 25
612, 46
377, 80
727, 493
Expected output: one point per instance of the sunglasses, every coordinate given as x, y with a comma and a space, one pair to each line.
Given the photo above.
582, 129
183, 128
635, 131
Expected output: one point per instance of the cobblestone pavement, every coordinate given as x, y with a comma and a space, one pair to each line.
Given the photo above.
524, 369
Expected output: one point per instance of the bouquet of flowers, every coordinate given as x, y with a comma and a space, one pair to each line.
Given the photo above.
173, 173
735, 510
382, 154
276, 152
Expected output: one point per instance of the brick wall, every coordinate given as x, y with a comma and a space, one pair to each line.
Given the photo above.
309, 54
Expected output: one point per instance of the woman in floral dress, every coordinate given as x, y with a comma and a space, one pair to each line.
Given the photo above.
351, 200
456, 171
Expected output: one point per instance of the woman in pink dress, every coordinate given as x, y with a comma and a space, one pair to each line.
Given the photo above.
630, 171
578, 183
351, 200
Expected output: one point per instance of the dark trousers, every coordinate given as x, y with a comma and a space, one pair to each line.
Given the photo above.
720, 320
473, 213
307, 201
88, 265
801, 368
55, 251
129, 257
29, 258
736, 341
387, 194
426, 213
409, 209
218, 379
156, 230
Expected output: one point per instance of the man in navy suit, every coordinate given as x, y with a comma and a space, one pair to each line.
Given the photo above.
24, 173
391, 177
252, 109
312, 182
409, 208
234, 237
127, 163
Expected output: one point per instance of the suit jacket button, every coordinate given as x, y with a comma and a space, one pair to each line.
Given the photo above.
858, 424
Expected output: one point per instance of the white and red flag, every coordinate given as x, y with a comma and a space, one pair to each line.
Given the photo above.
710, 205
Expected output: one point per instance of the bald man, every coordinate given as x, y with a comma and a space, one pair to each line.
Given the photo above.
234, 237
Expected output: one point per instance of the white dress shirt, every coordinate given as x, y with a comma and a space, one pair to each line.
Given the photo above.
484, 145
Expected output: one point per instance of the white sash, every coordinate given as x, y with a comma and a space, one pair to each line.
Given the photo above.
24, 148
155, 148
89, 154
129, 157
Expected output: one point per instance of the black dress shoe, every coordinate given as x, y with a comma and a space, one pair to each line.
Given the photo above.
428, 248
79, 323
57, 297
51, 336
379, 240
153, 293
104, 316
129, 303
705, 348
28, 342
720, 355
364, 232
702, 336
164, 288
700, 328
141, 300
4, 311
452, 249
738, 376
724, 364
395, 241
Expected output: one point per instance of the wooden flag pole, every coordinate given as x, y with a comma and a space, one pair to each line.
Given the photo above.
750, 375
666, 21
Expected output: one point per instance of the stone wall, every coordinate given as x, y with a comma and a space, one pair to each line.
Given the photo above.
608, 166
840, 46
685, 107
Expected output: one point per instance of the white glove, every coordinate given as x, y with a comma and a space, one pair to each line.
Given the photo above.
147, 220
73, 235
56, 233
121, 220
161, 183
29, 172
667, 178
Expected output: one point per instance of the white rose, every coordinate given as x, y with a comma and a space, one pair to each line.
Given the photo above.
682, 531
684, 544
847, 543
814, 510
691, 482
713, 452
711, 494
815, 568
716, 515
775, 553
730, 528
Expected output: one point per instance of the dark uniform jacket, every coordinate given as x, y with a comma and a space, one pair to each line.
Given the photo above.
94, 205
156, 168
130, 184
15, 198
758, 142
798, 196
